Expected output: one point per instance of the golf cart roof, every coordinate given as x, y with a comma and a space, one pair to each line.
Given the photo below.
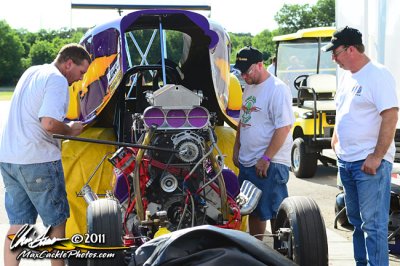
318, 32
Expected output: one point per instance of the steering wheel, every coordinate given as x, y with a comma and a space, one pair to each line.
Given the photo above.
299, 81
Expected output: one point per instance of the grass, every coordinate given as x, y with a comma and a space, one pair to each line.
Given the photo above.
5, 95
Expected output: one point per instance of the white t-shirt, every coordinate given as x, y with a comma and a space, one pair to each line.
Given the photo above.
360, 99
42, 91
265, 108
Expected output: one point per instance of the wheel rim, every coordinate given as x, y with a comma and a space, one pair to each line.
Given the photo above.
296, 158
287, 246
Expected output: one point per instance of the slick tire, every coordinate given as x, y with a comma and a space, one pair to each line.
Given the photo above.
104, 217
307, 244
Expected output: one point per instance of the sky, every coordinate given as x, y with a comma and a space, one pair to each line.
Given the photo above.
236, 16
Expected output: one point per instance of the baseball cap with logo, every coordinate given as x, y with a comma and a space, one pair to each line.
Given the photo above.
246, 57
344, 36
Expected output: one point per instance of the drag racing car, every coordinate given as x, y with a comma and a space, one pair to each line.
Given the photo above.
153, 169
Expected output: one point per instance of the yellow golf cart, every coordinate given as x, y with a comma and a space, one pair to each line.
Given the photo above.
311, 75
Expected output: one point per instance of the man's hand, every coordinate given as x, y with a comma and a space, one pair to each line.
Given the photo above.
370, 164
53, 126
76, 127
262, 168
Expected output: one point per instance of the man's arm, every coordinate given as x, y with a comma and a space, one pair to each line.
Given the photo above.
53, 126
277, 140
386, 135
236, 147
334, 139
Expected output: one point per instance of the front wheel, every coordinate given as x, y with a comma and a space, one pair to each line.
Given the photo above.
304, 239
104, 218
304, 165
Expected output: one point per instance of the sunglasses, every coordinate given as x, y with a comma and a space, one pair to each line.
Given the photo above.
337, 53
249, 71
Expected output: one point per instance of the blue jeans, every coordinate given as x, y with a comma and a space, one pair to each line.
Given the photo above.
273, 187
367, 200
33, 189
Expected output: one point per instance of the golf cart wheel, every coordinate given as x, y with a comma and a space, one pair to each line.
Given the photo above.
104, 217
304, 165
307, 242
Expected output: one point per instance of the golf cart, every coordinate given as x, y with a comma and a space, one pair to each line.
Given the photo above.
310, 74
152, 166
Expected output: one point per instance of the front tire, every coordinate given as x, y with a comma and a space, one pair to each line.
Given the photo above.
307, 243
304, 165
104, 217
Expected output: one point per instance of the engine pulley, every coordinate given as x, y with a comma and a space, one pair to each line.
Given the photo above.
168, 183
189, 145
188, 151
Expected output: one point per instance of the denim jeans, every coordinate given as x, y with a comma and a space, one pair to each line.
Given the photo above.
367, 200
33, 189
273, 187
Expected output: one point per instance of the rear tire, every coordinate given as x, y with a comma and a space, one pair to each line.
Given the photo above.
308, 244
304, 165
104, 217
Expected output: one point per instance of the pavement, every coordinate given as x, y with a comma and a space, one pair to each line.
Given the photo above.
340, 249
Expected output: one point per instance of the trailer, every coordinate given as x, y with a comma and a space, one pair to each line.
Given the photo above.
378, 21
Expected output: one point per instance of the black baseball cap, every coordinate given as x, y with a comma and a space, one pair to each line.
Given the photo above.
246, 57
344, 36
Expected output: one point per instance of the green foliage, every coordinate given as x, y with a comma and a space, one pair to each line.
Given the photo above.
54, 39
6, 95
263, 41
324, 12
142, 38
292, 18
11, 51
174, 45
42, 52
19, 49
239, 40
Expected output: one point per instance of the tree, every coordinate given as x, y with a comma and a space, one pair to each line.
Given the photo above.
324, 12
42, 52
239, 40
11, 51
263, 41
174, 45
292, 18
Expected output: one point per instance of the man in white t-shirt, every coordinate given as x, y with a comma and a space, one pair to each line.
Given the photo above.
272, 67
263, 143
363, 140
30, 159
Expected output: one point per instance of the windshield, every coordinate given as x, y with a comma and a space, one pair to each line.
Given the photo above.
295, 59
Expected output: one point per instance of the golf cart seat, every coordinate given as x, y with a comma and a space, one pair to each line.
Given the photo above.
316, 91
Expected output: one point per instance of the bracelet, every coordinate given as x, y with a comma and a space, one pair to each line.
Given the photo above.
266, 158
